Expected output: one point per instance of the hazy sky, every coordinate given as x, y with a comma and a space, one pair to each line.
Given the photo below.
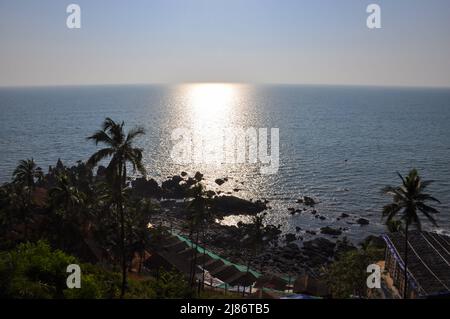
257, 41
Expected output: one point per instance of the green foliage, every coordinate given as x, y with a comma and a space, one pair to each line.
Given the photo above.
36, 271
33, 271
407, 200
347, 275
170, 285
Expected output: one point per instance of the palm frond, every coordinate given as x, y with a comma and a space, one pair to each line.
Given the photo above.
98, 156
101, 137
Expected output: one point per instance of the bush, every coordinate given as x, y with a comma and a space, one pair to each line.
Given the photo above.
348, 274
36, 271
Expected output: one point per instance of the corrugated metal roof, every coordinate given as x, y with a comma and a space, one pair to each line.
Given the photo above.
428, 259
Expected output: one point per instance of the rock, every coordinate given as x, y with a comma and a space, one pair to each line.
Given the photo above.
309, 201
330, 231
311, 232
373, 241
198, 176
293, 247
318, 251
210, 193
322, 218
191, 181
298, 229
183, 174
235, 205
219, 181
290, 238
146, 188
344, 215
362, 221
343, 246
172, 187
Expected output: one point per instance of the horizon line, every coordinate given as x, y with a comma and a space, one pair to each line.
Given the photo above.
399, 86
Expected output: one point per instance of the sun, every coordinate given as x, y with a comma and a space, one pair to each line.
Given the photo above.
211, 102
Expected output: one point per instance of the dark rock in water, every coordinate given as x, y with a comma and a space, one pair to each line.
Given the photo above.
219, 181
344, 215
311, 232
236, 190
191, 181
330, 231
290, 238
298, 229
235, 205
309, 201
373, 241
198, 176
172, 188
210, 193
322, 218
300, 201
314, 212
146, 188
183, 174
363, 221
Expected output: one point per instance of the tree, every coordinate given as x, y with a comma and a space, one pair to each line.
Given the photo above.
408, 200
67, 201
120, 148
347, 275
25, 176
27, 173
199, 213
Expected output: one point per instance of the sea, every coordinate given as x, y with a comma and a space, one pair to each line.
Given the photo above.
337, 144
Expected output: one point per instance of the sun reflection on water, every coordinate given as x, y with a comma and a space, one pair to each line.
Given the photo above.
211, 104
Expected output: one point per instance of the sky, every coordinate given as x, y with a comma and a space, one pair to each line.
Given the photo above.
250, 41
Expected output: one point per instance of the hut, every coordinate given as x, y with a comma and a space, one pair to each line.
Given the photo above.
428, 263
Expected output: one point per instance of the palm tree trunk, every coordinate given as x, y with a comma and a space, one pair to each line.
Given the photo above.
122, 235
195, 258
405, 286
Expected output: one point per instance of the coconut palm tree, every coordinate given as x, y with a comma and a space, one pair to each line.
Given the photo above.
120, 149
68, 202
26, 175
199, 213
408, 200
66, 198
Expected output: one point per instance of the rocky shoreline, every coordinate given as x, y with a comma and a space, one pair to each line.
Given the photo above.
286, 256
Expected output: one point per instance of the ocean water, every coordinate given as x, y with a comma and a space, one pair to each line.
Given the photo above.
340, 145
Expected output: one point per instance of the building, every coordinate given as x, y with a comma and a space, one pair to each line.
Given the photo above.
428, 263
